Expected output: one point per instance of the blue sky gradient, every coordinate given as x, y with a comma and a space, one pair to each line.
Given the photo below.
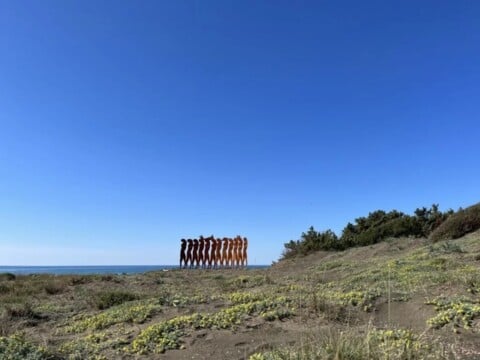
125, 126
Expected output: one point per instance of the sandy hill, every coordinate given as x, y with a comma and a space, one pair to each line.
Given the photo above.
399, 299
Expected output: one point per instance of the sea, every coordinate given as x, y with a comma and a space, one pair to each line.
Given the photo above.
92, 270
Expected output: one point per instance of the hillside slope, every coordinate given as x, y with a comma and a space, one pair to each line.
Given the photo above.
400, 299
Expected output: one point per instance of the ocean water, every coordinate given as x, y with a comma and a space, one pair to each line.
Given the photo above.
88, 270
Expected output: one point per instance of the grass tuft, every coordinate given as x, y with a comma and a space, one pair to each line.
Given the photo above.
108, 299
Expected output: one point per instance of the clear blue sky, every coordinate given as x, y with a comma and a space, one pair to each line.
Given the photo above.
127, 125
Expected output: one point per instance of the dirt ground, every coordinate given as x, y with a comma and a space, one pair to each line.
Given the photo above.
233, 314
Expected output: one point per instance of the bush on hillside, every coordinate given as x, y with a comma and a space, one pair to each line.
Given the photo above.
380, 225
398, 227
376, 227
460, 223
311, 241
430, 219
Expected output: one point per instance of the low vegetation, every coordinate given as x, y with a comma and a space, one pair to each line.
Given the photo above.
400, 298
17, 348
105, 300
167, 335
459, 312
375, 344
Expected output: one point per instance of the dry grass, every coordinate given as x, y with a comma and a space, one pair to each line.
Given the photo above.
359, 294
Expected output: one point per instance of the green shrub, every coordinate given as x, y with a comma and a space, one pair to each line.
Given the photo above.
460, 223
310, 242
7, 276
53, 288
447, 247
108, 299
21, 311
78, 280
430, 219
376, 227
398, 227
380, 225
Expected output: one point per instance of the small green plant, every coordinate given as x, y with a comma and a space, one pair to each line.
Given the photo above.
363, 299
16, 347
181, 300
89, 347
53, 288
21, 311
108, 299
459, 312
133, 312
244, 297
75, 280
448, 247
277, 314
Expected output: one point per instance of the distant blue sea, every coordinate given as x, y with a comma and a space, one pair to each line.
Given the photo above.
88, 270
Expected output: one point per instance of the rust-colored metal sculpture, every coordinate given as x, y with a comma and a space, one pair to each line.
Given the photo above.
201, 246
214, 253
239, 250
183, 255
189, 253
195, 252
245, 257
207, 252
231, 245
224, 257
218, 253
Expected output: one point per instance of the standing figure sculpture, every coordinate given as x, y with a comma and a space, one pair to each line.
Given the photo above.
189, 253
195, 252
183, 256
230, 253
239, 251
224, 257
213, 255
200, 252
206, 257
218, 254
244, 257
213, 252
234, 253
